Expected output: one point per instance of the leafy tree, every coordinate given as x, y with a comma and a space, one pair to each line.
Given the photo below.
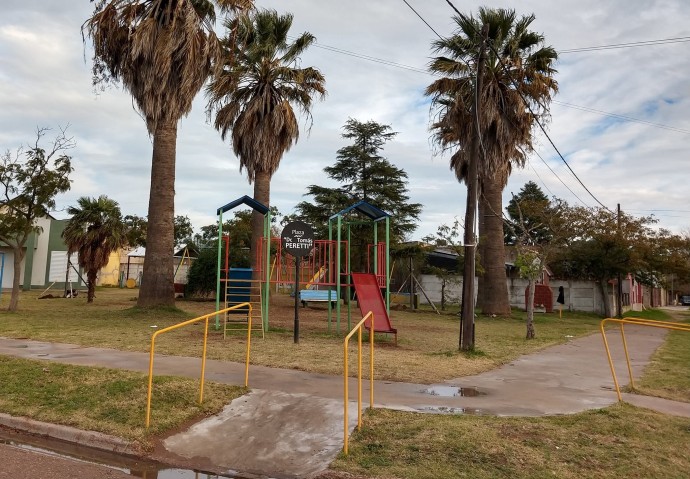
517, 73
137, 228
29, 181
366, 175
541, 230
447, 238
94, 231
528, 216
605, 246
163, 52
255, 95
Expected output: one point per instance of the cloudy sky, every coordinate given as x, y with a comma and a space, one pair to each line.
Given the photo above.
620, 119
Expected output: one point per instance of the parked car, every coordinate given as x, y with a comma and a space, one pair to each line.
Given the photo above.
685, 300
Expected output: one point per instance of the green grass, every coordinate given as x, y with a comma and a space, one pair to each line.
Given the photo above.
427, 343
668, 373
105, 400
653, 314
619, 441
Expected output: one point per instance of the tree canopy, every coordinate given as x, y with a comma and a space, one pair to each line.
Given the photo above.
363, 174
94, 231
30, 179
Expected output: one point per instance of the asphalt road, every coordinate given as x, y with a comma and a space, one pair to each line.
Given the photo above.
18, 463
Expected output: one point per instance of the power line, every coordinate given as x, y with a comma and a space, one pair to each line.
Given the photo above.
422, 19
529, 107
614, 46
542, 181
554, 146
402, 66
559, 179
622, 117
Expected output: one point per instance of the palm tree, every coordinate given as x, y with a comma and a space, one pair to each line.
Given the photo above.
162, 51
517, 86
255, 94
93, 232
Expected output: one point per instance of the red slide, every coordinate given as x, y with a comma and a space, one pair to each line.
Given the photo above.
369, 298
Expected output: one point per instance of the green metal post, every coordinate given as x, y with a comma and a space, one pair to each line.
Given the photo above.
337, 280
330, 307
349, 281
220, 249
376, 250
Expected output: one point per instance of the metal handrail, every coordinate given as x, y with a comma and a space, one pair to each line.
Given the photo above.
637, 322
205, 318
358, 328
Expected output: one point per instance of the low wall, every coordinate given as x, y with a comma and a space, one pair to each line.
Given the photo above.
579, 295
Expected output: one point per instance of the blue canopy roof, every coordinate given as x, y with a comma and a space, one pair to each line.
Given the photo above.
366, 209
246, 200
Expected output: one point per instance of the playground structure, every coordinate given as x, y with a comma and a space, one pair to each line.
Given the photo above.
246, 286
326, 272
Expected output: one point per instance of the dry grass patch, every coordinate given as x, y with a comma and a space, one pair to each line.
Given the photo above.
427, 349
620, 441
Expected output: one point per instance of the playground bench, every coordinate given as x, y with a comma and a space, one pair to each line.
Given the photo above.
317, 295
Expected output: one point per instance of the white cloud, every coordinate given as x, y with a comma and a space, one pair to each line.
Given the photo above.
44, 81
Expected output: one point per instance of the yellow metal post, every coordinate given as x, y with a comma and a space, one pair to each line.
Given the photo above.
203, 354
358, 328
638, 322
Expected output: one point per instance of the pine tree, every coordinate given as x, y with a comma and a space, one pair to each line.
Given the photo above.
530, 209
366, 175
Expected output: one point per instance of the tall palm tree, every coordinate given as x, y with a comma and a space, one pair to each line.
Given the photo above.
517, 86
162, 51
255, 94
93, 232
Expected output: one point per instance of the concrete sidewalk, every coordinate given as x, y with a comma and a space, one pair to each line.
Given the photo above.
291, 425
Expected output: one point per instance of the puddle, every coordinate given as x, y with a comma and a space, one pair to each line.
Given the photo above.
453, 391
127, 464
452, 410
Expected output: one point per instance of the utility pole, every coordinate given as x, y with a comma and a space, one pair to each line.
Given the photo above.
466, 341
620, 284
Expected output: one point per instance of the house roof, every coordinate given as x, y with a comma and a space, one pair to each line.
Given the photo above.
137, 252
246, 200
366, 209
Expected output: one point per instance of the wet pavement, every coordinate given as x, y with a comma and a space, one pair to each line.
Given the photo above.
291, 424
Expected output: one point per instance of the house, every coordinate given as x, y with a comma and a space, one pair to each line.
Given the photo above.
45, 261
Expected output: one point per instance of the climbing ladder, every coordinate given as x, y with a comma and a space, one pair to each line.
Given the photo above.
241, 288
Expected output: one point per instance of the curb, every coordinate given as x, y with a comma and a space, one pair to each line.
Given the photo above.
93, 439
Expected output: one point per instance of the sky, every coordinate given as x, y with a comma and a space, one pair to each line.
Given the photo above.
620, 118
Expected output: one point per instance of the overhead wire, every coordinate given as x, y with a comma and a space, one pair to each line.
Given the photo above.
614, 46
529, 107
402, 66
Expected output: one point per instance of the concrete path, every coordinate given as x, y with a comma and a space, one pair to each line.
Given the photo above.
291, 425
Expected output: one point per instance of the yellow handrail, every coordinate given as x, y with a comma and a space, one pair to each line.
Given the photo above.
637, 322
205, 318
358, 328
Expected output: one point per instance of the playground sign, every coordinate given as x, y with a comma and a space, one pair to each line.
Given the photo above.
297, 240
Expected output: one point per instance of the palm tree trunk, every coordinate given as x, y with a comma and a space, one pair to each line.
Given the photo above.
262, 194
91, 278
157, 281
17, 264
496, 299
